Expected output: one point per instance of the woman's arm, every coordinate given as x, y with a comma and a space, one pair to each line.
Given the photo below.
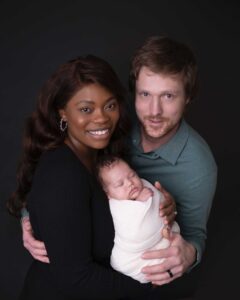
37, 248
61, 212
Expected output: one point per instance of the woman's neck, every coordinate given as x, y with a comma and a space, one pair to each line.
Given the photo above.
86, 156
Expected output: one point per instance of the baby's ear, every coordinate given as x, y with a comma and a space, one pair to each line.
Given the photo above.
104, 187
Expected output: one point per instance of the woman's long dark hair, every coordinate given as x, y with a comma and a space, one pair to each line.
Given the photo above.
42, 131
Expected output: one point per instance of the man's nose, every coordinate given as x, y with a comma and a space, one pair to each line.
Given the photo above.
156, 107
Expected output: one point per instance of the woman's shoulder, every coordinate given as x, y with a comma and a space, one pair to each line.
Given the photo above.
59, 176
60, 160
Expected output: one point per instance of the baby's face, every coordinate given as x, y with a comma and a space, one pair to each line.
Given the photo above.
120, 181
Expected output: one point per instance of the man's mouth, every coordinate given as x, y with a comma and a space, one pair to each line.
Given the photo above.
155, 120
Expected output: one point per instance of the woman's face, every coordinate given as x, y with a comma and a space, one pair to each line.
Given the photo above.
92, 115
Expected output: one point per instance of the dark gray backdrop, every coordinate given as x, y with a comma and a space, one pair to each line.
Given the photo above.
36, 36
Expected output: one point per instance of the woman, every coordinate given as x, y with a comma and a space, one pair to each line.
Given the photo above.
80, 112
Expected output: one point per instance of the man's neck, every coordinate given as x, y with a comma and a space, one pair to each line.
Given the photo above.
150, 144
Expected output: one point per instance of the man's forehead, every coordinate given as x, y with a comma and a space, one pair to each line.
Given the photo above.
148, 73
157, 82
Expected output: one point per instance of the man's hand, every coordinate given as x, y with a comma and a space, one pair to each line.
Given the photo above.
167, 208
178, 258
36, 248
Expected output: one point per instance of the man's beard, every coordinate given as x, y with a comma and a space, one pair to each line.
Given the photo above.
156, 127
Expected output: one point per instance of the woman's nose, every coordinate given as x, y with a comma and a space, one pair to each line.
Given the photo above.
101, 116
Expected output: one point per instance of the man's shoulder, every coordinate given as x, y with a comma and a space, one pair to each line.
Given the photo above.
197, 143
197, 150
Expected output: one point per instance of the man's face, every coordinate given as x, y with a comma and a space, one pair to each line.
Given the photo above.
160, 102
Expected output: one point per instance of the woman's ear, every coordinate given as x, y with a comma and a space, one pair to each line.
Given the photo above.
62, 114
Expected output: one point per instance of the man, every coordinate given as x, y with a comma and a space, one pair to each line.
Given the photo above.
164, 147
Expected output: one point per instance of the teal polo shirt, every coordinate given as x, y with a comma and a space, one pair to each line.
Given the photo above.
186, 168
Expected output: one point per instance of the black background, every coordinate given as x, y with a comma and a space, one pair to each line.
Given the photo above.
36, 36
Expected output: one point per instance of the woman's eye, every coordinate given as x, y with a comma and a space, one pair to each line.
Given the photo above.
111, 106
85, 109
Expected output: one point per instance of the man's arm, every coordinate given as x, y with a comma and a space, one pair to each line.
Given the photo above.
179, 256
167, 208
36, 248
185, 250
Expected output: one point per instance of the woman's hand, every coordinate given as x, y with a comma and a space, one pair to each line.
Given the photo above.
36, 248
167, 208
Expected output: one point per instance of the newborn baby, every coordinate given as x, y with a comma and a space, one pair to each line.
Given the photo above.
134, 205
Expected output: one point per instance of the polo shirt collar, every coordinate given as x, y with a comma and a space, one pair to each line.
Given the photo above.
172, 149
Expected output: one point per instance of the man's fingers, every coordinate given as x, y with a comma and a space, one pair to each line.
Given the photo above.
163, 277
165, 281
26, 224
165, 193
163, 253
32, 243
168, 212
158, 186
162, 282
167, 209
168, 220
157, 280
43, 259
155, 269
151, 254
24, 219
167, 206
38, 252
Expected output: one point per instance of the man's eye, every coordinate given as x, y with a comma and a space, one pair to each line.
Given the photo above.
168, 96
145, 94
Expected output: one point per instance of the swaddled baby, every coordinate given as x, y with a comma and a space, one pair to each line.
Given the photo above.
134, 205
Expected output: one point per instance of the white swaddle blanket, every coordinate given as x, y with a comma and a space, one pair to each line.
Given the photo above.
138, 227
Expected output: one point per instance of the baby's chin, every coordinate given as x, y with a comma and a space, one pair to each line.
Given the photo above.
134, 194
